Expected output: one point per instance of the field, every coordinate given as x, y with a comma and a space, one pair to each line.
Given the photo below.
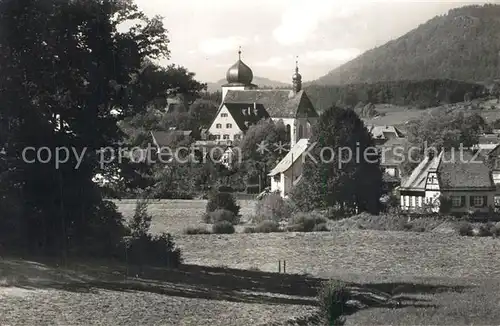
400, 115
174, 216
233, 279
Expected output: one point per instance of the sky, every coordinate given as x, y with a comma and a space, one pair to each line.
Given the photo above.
205, 35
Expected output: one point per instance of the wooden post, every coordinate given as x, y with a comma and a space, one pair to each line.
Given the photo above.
279, 266
284, 267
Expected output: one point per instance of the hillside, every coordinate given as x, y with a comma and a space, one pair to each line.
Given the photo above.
259, 81
462, 45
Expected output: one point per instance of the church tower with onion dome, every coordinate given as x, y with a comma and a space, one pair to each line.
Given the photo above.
297, 79
239, 77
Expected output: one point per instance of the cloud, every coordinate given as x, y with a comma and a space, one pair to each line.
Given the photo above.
338, 55
219, 45
301, 19
271, 62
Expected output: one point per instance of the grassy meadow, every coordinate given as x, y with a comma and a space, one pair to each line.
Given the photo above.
418, 278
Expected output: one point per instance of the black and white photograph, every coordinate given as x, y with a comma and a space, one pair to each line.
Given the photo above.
249, 163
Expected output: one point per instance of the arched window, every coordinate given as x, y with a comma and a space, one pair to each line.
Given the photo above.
288, 133
301, 132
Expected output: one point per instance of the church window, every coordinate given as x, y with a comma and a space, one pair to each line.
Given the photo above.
228, 125
218, 126
223, 115
301, 131
288, 133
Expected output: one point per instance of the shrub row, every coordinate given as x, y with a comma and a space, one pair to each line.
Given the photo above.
484, 230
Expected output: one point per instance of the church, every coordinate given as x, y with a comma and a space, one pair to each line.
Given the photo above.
244, 104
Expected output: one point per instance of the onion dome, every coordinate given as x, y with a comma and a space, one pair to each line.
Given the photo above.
239, 73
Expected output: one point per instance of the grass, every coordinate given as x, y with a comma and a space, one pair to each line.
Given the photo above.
401, 278
174, 216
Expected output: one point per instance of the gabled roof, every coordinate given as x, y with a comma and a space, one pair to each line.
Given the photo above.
293, 155
455, 171
279, 103
163, 138
245, 115
418, 177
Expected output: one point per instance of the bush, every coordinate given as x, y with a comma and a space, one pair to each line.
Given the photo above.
273, 208
158, 250
221, 215
320, 228
332, 300
465, 229
264, 227
141, 221
221, 200
223, 227
484, 231
306, 222
196, 230
495, 230
143, 248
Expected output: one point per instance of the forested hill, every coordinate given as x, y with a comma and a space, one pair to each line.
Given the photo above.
461, 45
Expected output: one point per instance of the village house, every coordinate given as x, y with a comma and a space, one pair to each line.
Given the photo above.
288, 172
460, 177
391, 156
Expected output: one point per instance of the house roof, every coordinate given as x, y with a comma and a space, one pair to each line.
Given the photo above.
293, 155
384, 132
418, 177
464, 172
163, 138
455, 170
279, 103
176, 104
244, 114
489, 139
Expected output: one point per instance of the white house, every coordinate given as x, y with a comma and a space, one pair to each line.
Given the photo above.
458, 176
288, 172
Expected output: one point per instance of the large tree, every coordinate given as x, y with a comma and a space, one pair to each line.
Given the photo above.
262, 147
341, 166
67, 75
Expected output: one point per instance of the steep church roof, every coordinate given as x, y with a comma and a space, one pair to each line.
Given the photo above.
279, 103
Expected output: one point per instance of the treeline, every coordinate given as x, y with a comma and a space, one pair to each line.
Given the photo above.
418, 94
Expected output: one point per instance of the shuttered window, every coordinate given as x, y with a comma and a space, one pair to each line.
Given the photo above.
478, 201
